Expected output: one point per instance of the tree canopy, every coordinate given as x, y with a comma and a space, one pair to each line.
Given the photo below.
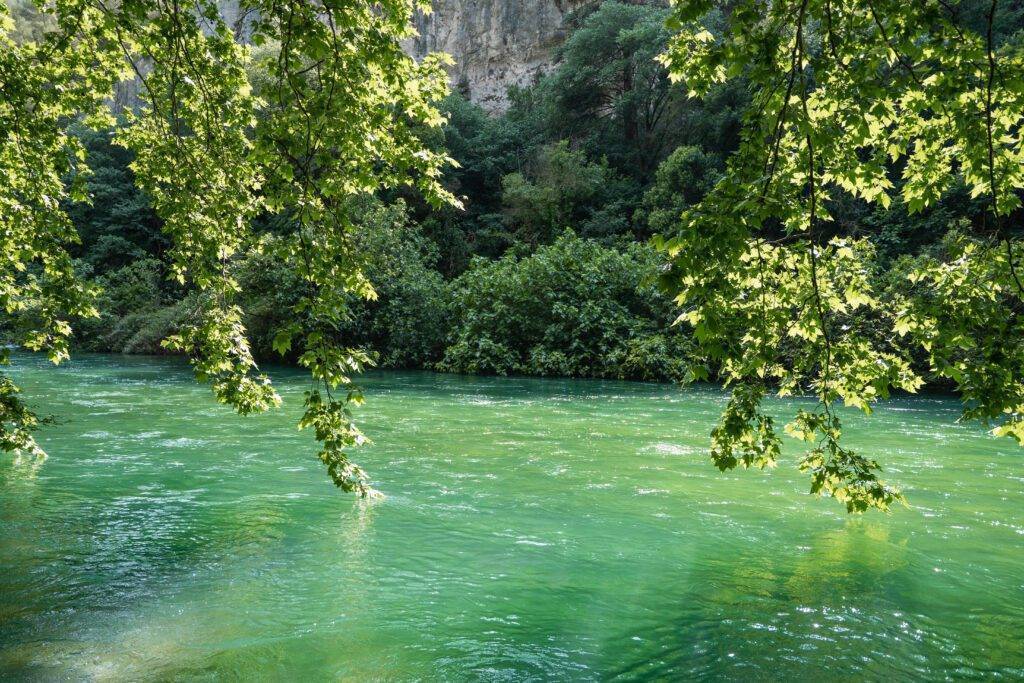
336, 116
881, 101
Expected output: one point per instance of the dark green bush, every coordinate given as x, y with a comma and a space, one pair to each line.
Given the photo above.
564, 190
135, 314
680, 182
404, 326
574, 308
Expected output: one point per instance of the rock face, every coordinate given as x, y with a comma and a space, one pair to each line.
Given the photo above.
495, 43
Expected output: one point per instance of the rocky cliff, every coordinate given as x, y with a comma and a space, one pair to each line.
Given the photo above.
495, 43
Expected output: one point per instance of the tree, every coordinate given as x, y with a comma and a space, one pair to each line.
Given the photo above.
564, 190
335, 118
846, 97
485, 148
608, 74
136, 311
404, 324
118, 224
680, 182
609, 95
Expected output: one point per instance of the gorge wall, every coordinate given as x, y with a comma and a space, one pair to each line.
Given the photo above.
495, 43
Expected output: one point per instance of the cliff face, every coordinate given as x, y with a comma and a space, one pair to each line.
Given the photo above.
495, 43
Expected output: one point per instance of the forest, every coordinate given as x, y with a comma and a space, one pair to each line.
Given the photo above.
546, 268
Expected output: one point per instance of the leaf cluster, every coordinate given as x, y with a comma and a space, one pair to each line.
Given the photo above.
876, 101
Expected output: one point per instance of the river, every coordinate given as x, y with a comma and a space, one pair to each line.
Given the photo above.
532, 529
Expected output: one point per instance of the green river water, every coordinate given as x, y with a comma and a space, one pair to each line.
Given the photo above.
532, 529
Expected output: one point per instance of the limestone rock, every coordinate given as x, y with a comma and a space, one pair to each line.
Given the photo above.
495, 43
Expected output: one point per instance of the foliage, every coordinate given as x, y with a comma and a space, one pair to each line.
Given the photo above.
608, 73
575, 120
45, 83
118, 224
955, 308
136, 315
404, 324
611, 98
578, 115
680, 182
573, 308
485, 148
565, 190
336, 117
847, 96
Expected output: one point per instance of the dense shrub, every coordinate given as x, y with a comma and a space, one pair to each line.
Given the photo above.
135, 313
680, 182
404, 325
118, 226
573, 308
407, 322
563, 190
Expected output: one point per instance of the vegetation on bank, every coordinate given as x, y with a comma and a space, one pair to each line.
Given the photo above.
544, 269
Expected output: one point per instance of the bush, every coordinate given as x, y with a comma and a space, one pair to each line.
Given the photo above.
134, 313
404, 326
118, 226
680, 182
574, 308
565, 190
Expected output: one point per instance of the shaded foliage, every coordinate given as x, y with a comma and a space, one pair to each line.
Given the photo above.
403, 324
118, 224
560, 190
573, 308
